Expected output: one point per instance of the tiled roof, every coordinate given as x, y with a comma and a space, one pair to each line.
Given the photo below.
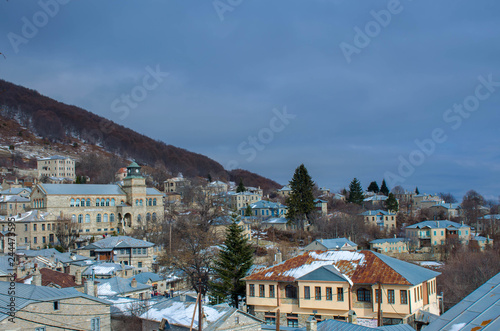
388, 240
266, 204
50, 276
82, 189
143, 277
118, 286
15, 190
275, 220
480, 310
119, 242
375, 212
362, 267
336, 242
438, 224
105, 269
30, 216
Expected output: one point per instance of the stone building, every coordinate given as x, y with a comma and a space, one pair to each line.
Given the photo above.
56, 166
102, 208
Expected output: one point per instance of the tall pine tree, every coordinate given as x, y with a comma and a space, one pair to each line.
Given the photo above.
241, 187
231, 265
301, 200
373, 187
383, 188
417, 192
355, 192
391, 203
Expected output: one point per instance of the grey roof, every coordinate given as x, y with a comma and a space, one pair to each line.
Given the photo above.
120, 286
388, 240
5, 265
14, 198
230, 311
276, 220
480, 309
105, 269
27, 294
335, 242
15, 190
47, 252
152, 191
438, 224
82, 189
375, 212
325, 273
266, 204
413, 273
448, 205
118, 242
143, 277
55, 157
30, 216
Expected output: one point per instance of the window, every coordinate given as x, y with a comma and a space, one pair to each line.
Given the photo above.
112, 203
80, 218
139, 264
25, 227
139, 218
134, 251
251, 290
329, 293
34, 227
270, 318
73, 218
56, 305
377, 296
72, 203
102, 202
105, 218
403, 294
292, 320
148, 217
290, 292
88, 202
34, 240
271, 291
317, 293
43, 227
40, 328
77, 204
98, 218
390, 296
262, 291
43, 239
107, 202
307, 292
97, 202
154, 202
95, 324
364, 295
144, 251
340, 294
87, 218
154, 216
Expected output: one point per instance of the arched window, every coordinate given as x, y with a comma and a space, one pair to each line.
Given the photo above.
105, 218
137, 202
154, 202
139, 218
88, 202
364, 295
102, 202
98, 218
77, 204
72, 202
97, 201
73, 218
111, 218
140, 202
148, 217
112, 202
291, 292
107, 202
80, 218
154, 217
87, 218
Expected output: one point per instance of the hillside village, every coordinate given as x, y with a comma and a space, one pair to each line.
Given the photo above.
137, 257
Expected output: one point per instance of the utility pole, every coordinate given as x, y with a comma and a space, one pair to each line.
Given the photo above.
277, 320
200, 309
379, 312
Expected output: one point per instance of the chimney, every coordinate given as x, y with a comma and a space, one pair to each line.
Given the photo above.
351, 317
394, 236
89, 287
133, 283
182, 297
277, 257
78, 277
311, 324
37, 277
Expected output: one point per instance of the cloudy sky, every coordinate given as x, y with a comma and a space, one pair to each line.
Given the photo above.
406, 90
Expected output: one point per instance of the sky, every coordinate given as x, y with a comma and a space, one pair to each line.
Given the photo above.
402, 90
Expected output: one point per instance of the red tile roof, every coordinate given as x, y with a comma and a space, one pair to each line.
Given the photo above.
362, 267
50, 276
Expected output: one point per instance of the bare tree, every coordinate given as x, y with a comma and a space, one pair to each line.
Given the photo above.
471, 207
67, 232
447, 197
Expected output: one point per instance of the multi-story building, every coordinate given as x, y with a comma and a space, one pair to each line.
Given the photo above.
264, 208
102, 208
449, 210
382, 218
321, 206
284, 192
240, 200
56, 166
34, 229
390, 245
13, 205
175, 184
434, 233
336, 284
342, 244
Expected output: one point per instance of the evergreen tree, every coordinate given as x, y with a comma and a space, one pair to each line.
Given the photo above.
231, 265
355, 192
248, 211
417, 192
301, 200
241, 187
383, 188
373, 187
209, 178
392, 203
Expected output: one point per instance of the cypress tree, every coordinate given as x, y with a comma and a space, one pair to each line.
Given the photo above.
355, 192
383, 188
232, 264
301, 200
392, 203
417, 191
373, 187
241, 187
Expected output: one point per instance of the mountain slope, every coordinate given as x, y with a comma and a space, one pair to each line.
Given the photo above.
59, 123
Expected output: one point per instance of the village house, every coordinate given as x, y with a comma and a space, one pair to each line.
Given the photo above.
221, 223
284, 192
339, 284
489, 224
321, 206
279, 223
102, 208
381, 218
13, 205
8, 242
67, 308
449, 210
34, 229
175, 184
107, 270
390, 245
264, 208
56, 166
122, 249
237, 201
421, 201
435, 233
123, 287
480, 243
342, 244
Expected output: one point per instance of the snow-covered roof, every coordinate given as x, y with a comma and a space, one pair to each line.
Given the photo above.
118, 242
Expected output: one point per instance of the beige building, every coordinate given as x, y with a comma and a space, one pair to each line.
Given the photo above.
56, 166
102, 208
47, 308
335, 284
435, 233
34, 229
221, 224
13, 205
381, 218
240, 200
284, 192
175, 184
390, 246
